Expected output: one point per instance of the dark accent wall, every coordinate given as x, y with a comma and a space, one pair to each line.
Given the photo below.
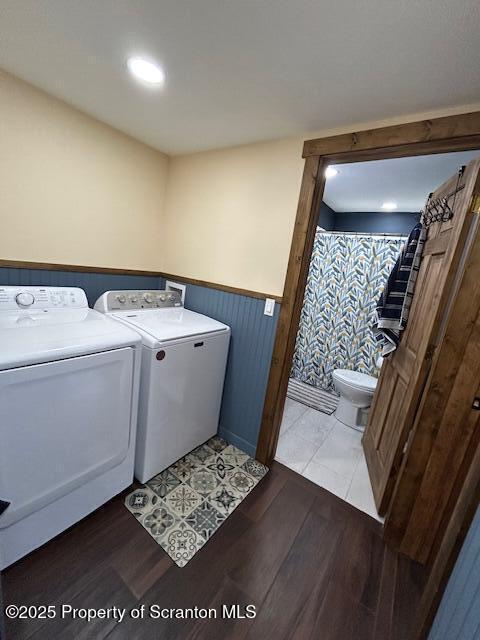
326, 217
367, 221
459, 613
374, 222
251, 344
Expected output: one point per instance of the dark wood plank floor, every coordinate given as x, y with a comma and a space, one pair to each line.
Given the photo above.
313, 566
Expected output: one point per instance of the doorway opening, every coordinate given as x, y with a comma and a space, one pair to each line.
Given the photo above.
365, 217
432, 435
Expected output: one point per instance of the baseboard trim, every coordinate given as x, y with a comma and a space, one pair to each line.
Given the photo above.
236, 440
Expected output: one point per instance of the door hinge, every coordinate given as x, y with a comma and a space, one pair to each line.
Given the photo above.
476, 403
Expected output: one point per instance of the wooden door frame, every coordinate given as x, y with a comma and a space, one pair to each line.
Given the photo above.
458, 526
439, 135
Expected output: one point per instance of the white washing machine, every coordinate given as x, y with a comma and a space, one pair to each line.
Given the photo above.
69, 380
184, 356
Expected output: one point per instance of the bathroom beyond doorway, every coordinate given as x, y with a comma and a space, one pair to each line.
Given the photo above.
357, 241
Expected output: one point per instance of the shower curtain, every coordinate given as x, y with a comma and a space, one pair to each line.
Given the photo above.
347, 274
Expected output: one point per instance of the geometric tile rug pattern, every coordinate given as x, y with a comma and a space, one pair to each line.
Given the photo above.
183, 506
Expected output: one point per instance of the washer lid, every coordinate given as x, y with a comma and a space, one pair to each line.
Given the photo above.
356, 379
170, 323
32, 337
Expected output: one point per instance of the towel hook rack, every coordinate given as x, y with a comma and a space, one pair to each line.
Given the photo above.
439, 209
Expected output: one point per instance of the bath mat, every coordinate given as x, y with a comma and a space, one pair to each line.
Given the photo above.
183, 506
311, 396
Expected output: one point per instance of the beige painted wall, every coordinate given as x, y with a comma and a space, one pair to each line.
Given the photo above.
74, 190
230, 213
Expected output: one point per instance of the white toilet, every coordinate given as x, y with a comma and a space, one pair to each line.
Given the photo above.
356, 392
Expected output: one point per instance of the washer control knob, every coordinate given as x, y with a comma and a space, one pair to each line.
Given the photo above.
171, 297
24, 299
121, 298
133, 299
162, 298
148, 297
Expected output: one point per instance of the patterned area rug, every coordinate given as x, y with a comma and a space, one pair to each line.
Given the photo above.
183, 506
311, 396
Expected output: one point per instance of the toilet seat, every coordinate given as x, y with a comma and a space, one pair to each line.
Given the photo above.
356, 380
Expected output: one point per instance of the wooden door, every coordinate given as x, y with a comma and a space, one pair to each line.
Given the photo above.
404, 372
446, 434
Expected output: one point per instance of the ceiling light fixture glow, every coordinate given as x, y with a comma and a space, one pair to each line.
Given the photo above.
389, 206
146, 71
330, 172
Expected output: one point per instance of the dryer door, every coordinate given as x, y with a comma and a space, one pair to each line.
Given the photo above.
61, 424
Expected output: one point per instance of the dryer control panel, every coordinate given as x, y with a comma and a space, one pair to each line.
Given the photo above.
137, 299
17, 298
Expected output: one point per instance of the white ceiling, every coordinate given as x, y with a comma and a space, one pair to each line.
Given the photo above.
364, 186
245, 70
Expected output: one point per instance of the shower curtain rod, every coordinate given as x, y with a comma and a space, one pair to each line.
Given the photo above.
364, 233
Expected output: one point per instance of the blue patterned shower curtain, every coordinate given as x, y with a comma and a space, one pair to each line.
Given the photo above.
347, 274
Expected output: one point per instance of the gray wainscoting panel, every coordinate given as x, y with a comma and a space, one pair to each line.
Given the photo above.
94, 284
458, 616
249, 359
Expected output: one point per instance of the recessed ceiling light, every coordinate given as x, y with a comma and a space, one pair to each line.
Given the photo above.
146, 71
330, 172
389, 206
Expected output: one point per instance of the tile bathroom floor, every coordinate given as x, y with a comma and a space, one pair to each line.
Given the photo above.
327, 452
